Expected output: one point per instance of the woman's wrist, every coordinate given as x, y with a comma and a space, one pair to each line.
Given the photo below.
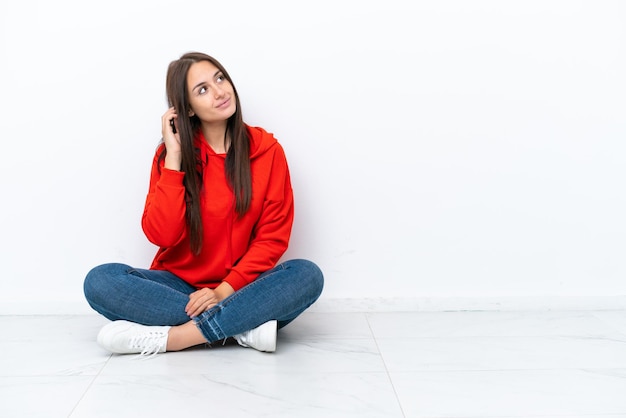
173, 161
223, 291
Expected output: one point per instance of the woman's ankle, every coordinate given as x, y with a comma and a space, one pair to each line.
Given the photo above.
184, 336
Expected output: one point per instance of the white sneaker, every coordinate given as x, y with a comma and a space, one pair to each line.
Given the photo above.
262, 338
124, 337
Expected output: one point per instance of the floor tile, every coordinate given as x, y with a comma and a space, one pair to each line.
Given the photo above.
67, 358
45, 397
323, 326
51, 328
514, 393
488, 324
615, 319
501, 353
241, 394
355, 356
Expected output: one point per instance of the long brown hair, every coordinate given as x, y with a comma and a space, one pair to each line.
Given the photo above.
238, 156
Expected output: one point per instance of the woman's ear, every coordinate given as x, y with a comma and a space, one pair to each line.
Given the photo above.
190, 113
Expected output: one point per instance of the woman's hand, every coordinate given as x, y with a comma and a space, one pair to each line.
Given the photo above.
172, 140
201, 301
204, 299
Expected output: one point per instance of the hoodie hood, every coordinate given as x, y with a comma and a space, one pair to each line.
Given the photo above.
261, 141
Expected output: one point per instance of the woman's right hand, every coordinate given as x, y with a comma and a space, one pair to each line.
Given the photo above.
200, 301
172, 140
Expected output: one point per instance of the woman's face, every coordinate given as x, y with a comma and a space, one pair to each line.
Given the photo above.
211, 95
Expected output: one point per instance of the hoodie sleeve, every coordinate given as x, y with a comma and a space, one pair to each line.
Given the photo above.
270, 237
163, 219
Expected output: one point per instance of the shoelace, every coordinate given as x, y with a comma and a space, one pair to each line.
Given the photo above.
150, 343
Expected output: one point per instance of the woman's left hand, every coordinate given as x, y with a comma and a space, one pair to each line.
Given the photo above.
200, 301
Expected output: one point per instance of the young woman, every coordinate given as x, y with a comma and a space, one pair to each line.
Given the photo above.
220, 209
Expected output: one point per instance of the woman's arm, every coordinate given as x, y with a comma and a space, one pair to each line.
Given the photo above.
163, 219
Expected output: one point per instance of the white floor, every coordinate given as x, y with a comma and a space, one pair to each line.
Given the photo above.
448, 364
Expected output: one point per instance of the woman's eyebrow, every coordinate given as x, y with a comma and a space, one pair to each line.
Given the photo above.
198, 85
204, 82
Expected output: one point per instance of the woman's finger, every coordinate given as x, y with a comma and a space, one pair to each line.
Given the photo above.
200, 301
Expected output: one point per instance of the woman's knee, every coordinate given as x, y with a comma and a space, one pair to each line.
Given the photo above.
310, 273
98, 280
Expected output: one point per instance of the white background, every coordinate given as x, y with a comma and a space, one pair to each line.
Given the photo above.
439, 150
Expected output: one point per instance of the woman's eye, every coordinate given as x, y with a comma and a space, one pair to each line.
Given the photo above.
220, 78
202, 90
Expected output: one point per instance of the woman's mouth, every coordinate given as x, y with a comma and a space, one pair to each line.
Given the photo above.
223, 104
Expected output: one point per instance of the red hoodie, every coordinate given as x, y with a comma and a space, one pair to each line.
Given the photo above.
234, 249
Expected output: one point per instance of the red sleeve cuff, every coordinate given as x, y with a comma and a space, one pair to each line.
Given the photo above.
171, 177
235, 280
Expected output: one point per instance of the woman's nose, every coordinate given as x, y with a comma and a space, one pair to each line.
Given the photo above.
219, 92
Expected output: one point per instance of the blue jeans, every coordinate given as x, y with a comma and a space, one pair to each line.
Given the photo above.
156, 297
